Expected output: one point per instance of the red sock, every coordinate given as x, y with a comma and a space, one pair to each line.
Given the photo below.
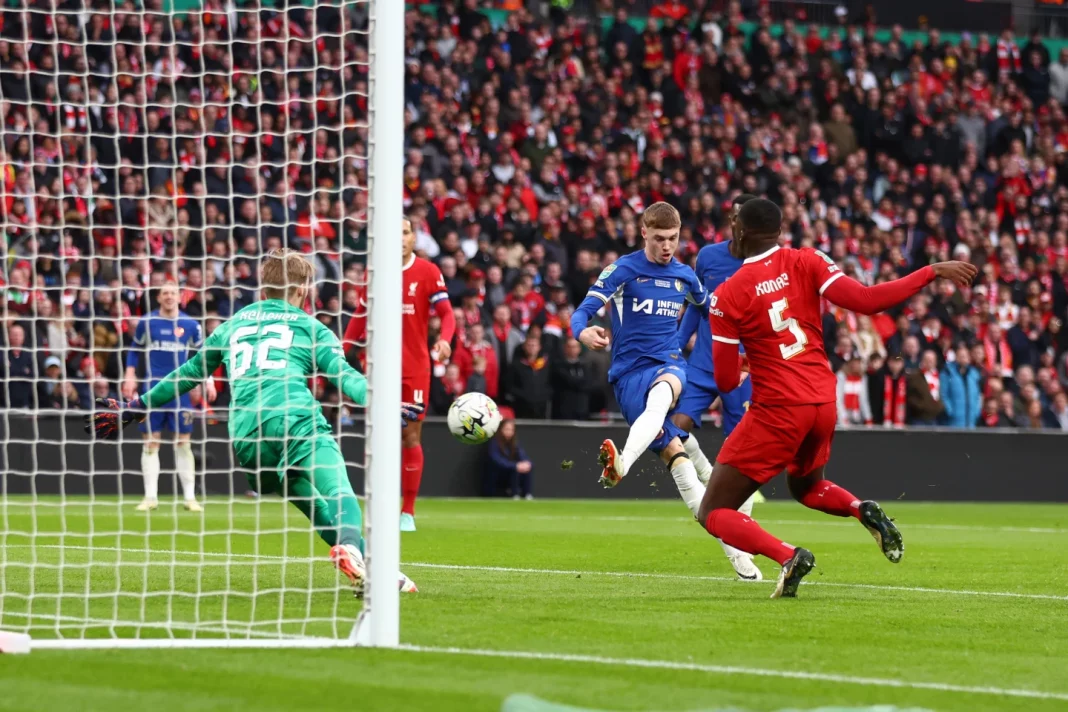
411, 476
828, 497
734, 528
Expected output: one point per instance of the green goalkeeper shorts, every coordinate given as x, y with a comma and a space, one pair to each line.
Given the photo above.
290, 446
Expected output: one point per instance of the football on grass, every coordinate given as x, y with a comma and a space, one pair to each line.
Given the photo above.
473, 418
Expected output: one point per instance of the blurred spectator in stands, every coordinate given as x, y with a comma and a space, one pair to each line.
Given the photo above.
22, 387
506, 339
1033, 416
853, 405
571, 384
924, 391
445, 390
868, 342
103, 390
961, 385
993, 416
1007, 408
1058, 75
996, 351
910, 353
473, 347
1024, 339
1057, 415
58, 390
529, 388
507, 465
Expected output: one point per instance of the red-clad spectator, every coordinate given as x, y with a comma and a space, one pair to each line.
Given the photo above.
526, 304
474, 347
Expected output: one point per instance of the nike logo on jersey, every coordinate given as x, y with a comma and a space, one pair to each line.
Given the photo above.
773, 285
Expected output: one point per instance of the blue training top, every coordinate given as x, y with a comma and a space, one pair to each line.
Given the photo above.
645, 299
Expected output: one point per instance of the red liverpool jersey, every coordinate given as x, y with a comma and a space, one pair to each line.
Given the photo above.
772, 306
423, 287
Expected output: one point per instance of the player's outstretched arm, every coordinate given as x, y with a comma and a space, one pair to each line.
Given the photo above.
112, 415
851, 294
331, 363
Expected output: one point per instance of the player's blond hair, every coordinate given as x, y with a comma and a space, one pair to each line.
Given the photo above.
284, 271
661, 216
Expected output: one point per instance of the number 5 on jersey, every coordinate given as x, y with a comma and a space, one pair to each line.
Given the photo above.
779, 324
241, 353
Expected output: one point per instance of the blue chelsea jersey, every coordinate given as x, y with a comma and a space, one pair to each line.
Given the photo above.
165, 342
715, 264
645, 299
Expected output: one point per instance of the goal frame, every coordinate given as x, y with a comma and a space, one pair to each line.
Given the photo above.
379, 623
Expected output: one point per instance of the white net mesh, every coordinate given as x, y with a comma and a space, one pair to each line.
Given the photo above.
141, 144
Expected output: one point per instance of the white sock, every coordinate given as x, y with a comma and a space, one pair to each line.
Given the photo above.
700, 462
186, 466
747, 508
690, 487
645, 429
150, 472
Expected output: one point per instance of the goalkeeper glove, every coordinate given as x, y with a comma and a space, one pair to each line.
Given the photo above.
410, 411
113, 416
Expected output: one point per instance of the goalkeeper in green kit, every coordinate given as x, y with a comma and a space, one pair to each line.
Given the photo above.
270, 349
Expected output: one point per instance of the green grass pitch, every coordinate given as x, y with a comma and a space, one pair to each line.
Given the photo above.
974, 618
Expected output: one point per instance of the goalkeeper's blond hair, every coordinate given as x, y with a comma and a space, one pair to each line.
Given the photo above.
284, 271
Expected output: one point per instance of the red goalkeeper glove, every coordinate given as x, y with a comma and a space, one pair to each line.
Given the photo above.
112, 416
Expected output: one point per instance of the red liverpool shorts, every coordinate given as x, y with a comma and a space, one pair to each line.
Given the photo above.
415, 388
773, 438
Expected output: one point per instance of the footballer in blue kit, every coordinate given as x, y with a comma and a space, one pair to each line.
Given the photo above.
645, 293
715, 264
162, 342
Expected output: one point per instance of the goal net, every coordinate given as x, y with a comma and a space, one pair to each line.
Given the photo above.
151, 142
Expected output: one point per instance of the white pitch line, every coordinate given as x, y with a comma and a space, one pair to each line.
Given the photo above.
73, 511
783, 522
561, 572
736, 670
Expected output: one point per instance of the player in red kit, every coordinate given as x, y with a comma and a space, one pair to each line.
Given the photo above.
772, 307
424, 291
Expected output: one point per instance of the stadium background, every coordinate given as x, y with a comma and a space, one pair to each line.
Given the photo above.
141, 150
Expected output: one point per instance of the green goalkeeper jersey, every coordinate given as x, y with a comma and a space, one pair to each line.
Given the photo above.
270, 349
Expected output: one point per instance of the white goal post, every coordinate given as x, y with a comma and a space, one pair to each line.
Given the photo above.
82, 91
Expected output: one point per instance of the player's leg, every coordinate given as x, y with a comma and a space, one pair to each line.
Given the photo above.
757, 451
317, 473
700, 394
734, 406
815, 491
411, 472
413, 390
657, 389
150, 436
322, 479
184, 462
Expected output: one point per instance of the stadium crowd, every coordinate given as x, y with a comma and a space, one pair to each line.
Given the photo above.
140, 147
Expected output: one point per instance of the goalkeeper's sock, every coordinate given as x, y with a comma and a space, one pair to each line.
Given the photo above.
150, 472
648, 425
186, 466
826, 496
690, 487
411, 477
700, 462
735, 529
